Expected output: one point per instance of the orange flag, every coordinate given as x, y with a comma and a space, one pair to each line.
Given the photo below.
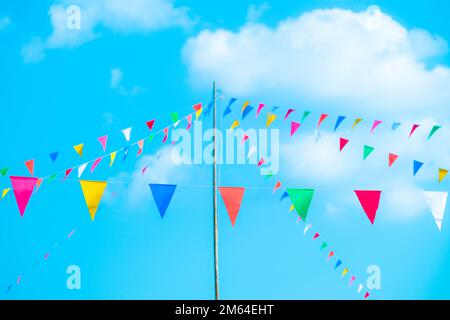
30, 166
232, 197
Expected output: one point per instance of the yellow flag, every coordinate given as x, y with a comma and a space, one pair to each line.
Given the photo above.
246, 103
234, 124
291, 208
198, 113
113, 157
356, 122
442, 174
344, 272
79, 149
270, 118
5, 192
93, 192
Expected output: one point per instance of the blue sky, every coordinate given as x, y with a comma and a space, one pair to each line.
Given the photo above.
56, 90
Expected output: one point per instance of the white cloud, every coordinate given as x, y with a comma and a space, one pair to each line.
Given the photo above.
141, 16
255, 12
4, 22
339, 58
116, 84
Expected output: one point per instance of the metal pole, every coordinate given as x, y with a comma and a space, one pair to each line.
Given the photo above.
216, 231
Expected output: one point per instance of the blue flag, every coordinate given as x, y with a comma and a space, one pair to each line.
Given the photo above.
338, 263
246, 111
208, 109
285, 195
125, 153
53, 156
228, 108
417, 166
395, 125
338, 122
162, 193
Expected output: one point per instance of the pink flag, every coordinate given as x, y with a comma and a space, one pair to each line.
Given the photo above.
144, 169
366, 295
342, 143
166, 134
414, 128
369, 201
352, 279
322, 118
288, 113
376, 123
23, 189
189, 121
261, 162
260, 107
95, 164
294, 127
316, 236
71, 233
141, 147
244, 138
103, 141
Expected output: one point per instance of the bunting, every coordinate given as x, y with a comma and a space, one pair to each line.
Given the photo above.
395, 125
288, 113
228, 108
342, 143
392, 159
5, 192
437, 202
375, 125
232, 198
433, 131
23, 189
301, 199
357, 121
417, 165
53, 156
413, 129
4, 171
174, 117
234, 124
150, 124
369, 201
442, 174
246, 112
321, 119
162, 194
198, 110
305, 115
112, 157
93, 193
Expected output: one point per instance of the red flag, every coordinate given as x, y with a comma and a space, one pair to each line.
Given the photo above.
30, 166
322, 117
369, 201
232, 197
277, 186
414, 128
342, 143
68, 171
288, 113
316, 236
23, 189
392, 159
166, 134
150, 124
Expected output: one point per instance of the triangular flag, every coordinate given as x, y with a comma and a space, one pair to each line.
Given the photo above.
357, 121
369, 201
244, 138
127, 133
141, 147
125, 153
294, 127
307, 227
228, 108
150, 124
23, 189
30, 166
339, 122
442, 174
189, 121
234, 124
81, 169
198, 110
93, 193
244, 106
166, 134
330, 255
112, 157
413, 129
395, 125
352, 279
416, 166
323, 246
321, 119
316, 235
366, 295
301, 199
38, 184
288, 113
291, 208
277, 186
232, 198
103, 140
261, 162
392, 159
342, 143
53, 156
270, 118
338, 263
162, 194
367, 151
376, 123
174, 116
260, 107
5, 192
433, 131
284, 195
305, 115
437, 202
79, 149
360, 287
246, 112
4, 171
344, 272
68, 171
95, 164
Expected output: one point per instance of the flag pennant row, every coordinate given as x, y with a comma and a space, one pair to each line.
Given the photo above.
301, 199
23, 189
369, 201
232, 198
162, 194
93, 193
437, 202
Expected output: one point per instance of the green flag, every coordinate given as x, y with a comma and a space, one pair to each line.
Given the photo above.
323, 246
433, 131
151, 137
301, 199
367, 151
305, 115
4, 171
174, 116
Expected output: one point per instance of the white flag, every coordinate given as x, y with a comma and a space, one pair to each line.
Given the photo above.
437, 202
127, 133
81, 169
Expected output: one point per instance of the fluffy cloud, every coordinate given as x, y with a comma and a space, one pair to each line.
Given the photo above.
350, 60
117, 15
